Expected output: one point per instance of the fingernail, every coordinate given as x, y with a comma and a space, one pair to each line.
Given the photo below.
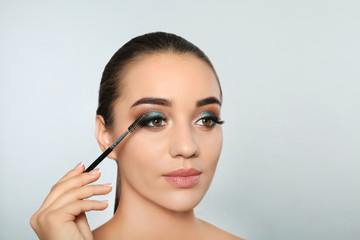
108, 185
79, 165
95, 171
105, 201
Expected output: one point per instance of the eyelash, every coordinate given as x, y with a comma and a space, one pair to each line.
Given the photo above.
212, 117
151, 117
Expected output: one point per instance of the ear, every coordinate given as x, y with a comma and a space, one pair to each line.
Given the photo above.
103, 136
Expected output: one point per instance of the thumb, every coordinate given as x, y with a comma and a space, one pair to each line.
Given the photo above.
83, 225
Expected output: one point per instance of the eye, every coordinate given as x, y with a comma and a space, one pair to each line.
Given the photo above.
156, 122
208, 119
153, 120
207, 122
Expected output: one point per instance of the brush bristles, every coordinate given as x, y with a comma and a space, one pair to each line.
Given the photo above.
136, 124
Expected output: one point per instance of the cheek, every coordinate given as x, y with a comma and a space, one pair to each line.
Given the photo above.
145, 157
140, 160
210, 146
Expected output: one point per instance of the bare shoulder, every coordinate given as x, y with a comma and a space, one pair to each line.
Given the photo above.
98, 233
214, 232
102, 232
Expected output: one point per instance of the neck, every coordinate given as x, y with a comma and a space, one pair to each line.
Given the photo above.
147, 220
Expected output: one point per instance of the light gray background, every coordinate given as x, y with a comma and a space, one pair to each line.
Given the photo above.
290, 73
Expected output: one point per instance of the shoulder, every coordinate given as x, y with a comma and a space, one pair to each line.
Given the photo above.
102, 232
214, 232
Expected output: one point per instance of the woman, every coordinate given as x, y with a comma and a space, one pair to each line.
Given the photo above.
166, 166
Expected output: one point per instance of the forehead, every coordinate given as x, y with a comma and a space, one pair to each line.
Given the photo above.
171, 76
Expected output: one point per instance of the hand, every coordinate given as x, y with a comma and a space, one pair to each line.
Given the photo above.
62, 215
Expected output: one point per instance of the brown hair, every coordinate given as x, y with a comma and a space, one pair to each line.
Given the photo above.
147, 44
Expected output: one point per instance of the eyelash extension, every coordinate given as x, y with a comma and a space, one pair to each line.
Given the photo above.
209, 115
150, 117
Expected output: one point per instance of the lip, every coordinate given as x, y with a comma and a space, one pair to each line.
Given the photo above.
183, 178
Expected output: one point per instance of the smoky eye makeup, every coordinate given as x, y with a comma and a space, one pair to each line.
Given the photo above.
156, 120
208, 119
153, 119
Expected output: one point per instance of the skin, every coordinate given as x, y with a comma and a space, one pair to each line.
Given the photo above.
150, 207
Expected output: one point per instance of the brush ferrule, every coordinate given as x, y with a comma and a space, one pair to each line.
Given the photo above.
119, 139
135, 124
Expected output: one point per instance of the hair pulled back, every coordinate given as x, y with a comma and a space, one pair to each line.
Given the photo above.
135, 49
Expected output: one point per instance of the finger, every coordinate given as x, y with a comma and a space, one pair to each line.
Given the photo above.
61, 188
83, 225
79, 194
70, 211
79, 168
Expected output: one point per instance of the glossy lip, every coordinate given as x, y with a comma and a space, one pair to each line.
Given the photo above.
183, 178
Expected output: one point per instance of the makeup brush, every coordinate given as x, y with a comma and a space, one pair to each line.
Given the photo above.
131, 129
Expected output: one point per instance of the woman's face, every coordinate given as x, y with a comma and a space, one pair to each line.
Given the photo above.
181, 95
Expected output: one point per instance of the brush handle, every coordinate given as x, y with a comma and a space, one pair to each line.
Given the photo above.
131, 128
119, 139
106, 152
98, 160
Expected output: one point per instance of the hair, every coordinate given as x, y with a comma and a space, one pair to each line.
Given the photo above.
132, 51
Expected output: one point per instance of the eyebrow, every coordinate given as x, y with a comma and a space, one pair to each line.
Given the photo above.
156, 101
206, 101
167, 103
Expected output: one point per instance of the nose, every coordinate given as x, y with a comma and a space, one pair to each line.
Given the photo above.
183, 143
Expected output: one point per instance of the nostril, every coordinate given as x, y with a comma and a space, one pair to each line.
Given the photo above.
184, 149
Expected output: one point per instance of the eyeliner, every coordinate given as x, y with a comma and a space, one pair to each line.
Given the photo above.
130, 129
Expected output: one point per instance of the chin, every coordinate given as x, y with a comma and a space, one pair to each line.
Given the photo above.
181, 207
183, 202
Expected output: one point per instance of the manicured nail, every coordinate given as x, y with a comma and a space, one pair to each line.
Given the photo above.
79, 165
108, 185
95, 171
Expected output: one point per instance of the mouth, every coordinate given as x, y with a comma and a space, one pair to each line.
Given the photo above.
183, 178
